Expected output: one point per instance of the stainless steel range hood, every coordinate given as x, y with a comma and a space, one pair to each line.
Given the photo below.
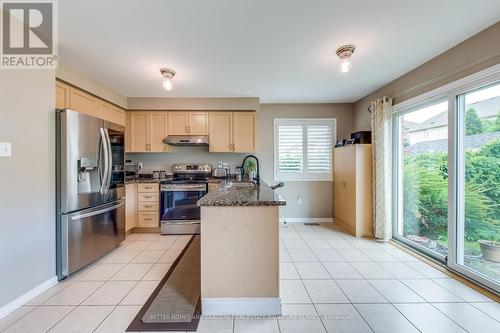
186, 140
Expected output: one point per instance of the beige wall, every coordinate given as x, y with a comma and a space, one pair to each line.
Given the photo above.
316, 197
474, 54
87, 83
27, 196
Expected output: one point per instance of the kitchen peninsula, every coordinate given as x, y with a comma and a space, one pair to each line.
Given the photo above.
240, 250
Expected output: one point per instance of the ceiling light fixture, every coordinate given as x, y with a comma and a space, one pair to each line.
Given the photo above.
168, 75
344, 53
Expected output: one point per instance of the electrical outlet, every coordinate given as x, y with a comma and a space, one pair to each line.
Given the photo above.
5, 149
299, 200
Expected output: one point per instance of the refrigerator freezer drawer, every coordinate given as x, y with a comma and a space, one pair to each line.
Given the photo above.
89, 234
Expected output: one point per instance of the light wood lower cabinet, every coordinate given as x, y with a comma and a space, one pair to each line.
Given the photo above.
231, 132
130, 206
352, 189
148, 201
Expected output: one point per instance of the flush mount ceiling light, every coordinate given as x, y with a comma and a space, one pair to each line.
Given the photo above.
168, 75
344, 53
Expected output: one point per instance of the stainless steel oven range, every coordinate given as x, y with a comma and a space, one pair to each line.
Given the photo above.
178, 210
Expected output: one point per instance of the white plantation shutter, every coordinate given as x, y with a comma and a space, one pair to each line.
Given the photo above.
290, 149
319, 149
303, 149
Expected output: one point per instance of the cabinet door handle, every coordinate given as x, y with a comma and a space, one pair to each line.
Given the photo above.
148, 197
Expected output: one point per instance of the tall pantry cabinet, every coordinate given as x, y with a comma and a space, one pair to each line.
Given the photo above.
352, 189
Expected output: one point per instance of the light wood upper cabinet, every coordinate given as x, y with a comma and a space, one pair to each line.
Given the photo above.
198, 123
62, 95
188, 123
106, 111
231, 132
178, 123
118, 116
146, 131
138, 129
220, 131
243, 132
158, 126
82, 102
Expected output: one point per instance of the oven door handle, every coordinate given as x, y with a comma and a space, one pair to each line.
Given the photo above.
182, 222
200, 189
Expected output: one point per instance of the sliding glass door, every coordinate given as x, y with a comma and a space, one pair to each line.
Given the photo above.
446, 176
478, 183
422, 178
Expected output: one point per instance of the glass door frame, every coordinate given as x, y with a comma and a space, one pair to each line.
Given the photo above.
456, 168
398, 112
456, 188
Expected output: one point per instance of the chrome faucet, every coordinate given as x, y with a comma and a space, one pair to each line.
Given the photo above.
257, 177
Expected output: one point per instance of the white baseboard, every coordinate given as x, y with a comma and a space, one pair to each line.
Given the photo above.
306, 219
28, 296
241, 306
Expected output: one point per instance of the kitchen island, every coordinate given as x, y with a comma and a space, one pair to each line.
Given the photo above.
240, 250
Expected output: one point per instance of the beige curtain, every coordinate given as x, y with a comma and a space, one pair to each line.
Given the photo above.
382, 166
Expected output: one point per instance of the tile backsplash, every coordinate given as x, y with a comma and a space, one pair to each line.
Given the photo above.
184, 155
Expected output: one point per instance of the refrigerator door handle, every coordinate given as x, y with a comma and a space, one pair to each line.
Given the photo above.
104, 143
97, 212
110, 160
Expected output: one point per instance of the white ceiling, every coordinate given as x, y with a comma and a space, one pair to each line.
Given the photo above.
278, 50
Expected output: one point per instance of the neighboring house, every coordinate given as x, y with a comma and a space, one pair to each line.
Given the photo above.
436, 128
474, 141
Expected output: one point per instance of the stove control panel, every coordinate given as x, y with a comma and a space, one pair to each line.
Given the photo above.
192, 168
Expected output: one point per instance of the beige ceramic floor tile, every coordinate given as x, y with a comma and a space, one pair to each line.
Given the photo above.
132, 272
215, 325
169, 256
110, 293
14, 316
293, 291
256, 325
138, 245
148, 257
298, 318
74, 294
157, 272
140, 293
121, 257
101, 272
118, 320
83, 319
39, 320
48, 294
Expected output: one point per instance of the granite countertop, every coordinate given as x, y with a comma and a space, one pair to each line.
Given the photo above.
259, 195
142, 180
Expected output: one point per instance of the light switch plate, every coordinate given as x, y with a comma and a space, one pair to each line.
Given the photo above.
5, 149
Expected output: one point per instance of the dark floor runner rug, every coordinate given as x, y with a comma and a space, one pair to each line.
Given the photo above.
175, 303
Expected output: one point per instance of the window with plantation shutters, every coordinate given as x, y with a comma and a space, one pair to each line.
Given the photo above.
303, 149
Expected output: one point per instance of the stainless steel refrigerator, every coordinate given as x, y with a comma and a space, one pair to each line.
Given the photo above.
90, 189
